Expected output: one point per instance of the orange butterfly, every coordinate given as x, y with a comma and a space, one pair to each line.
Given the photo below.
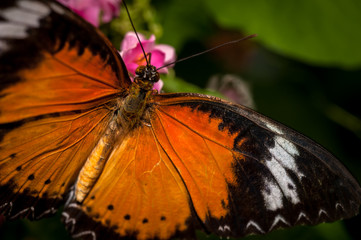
129, 162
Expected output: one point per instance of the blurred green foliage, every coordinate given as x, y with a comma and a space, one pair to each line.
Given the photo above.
304, 69
320, 32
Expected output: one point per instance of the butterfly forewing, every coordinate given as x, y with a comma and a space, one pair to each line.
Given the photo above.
58, 63
59, 77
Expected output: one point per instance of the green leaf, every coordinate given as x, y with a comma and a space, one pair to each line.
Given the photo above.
320, 32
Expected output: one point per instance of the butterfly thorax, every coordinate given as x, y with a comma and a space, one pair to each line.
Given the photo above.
141, 90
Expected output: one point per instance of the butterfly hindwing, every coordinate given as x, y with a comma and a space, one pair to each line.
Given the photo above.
139, 195
57, 96
41, 159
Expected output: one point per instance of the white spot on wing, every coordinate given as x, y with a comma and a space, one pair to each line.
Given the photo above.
272, 196
69, 220
74, 205
284, 181
285, 152
49, 211
224, 228
81, 234
322, 211
273, 128
4, 205
252, 223
287, 145
11, 30
278, 219
338, 205
57, 9
21, 16
35, 7
30, 209
283, 157
302, 215
11, 207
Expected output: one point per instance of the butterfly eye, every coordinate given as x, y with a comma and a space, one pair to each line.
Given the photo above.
154, 77
140, 71
152, 74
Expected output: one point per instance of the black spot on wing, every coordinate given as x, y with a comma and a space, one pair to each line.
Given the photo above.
86, 223
31, 177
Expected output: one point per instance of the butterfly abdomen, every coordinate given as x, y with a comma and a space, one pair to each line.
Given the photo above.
96, 161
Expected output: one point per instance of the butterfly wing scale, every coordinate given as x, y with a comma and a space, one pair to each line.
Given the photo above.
57, 95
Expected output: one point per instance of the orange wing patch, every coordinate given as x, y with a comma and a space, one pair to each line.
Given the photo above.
41, 159
61, 82
139, 194
202, 157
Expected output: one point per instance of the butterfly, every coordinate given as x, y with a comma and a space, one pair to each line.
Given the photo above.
128, 162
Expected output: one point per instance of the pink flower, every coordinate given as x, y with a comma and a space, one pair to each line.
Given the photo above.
133, 56
91, 10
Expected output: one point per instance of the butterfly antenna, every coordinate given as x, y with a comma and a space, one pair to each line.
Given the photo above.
136, 33
206, 51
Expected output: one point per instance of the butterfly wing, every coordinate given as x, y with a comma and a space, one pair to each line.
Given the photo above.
200, 162
57, 95
139, 195
246, 173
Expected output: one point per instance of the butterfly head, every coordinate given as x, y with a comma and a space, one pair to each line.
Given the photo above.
146, 76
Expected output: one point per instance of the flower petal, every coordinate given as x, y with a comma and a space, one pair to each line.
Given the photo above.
169, 51
158, 85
